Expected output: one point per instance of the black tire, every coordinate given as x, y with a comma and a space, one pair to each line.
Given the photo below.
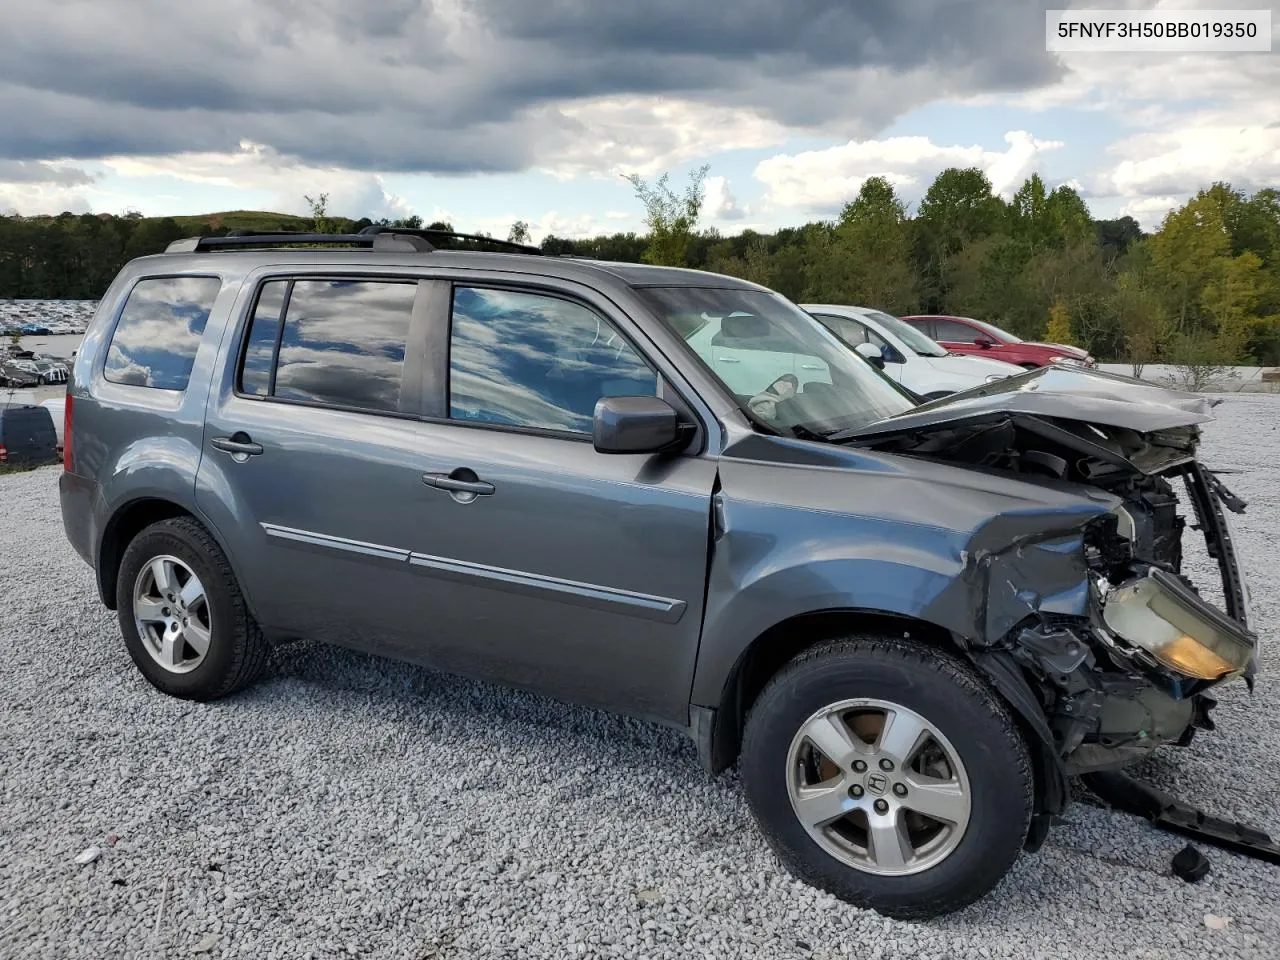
237, 654
41, 381
950, 696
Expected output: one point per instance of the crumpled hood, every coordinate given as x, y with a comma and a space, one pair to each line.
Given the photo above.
1057, 392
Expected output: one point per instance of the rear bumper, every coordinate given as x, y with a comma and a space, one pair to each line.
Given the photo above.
79, 520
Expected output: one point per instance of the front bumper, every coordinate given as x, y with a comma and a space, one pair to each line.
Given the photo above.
1110, 700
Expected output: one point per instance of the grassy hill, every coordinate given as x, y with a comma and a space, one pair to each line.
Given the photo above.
247, 220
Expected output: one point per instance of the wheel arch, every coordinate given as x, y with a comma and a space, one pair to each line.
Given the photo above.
130, 519
777, 645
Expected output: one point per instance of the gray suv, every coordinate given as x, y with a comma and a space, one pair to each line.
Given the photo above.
665, 493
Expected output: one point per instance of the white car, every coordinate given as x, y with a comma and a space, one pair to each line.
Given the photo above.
908, 356
57, 408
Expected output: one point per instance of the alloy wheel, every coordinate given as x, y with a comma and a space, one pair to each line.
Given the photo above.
878, 787
172, 614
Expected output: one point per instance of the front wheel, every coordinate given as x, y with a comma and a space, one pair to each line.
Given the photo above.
889, 774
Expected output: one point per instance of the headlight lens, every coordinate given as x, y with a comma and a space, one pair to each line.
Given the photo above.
1159, 615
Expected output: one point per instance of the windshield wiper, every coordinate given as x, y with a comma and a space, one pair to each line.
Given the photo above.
804, 433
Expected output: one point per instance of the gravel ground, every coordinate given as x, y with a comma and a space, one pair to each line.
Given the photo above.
350, 806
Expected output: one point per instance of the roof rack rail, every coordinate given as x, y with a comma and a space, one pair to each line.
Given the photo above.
376, 237
429, 234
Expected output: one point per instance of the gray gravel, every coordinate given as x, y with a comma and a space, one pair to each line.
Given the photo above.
350, 806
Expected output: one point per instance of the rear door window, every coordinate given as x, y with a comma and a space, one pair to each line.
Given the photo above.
953, 332
341, 343
159, 331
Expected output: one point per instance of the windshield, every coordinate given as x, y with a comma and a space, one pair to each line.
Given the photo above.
908, 334
785, 369
996, 334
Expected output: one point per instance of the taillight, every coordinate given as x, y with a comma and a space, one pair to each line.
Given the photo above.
4, 453
66, 435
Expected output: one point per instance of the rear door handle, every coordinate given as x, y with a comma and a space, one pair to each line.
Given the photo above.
239, 445
462, 484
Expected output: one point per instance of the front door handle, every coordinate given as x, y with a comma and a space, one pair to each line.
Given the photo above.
239, 445
462, 484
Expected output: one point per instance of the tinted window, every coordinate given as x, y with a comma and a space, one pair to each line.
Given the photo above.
536, 361
260, 350
343, 343
159, 331
951, 332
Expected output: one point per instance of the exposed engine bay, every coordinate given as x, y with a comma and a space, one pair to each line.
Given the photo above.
1126, 664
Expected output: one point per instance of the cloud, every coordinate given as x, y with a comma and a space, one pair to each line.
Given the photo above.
44, 172
1150, 211
820, 181
43, 187
258, 167
466, 86
719, 203
1158, 170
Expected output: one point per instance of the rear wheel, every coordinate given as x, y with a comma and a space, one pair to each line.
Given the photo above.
888, 774
182, 614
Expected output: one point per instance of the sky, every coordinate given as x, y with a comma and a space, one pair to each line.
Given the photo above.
484, 112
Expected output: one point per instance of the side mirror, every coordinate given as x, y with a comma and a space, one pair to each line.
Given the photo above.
637, 425
986, 343
869, 351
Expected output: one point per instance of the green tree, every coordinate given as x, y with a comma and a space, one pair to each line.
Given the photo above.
957, 210
672, 220
1139, 317
1058, 329
865, 258
320, 222
519, 232
1116, 236
1186, 253
1230, 300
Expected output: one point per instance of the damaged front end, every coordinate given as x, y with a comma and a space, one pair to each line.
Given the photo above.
1123, 650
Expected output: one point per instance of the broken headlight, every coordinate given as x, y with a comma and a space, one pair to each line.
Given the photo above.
1161, 616
1126, 526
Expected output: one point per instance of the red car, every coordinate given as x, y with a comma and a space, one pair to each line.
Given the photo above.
963, 335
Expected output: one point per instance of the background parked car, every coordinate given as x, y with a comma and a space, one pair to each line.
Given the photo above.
44, 368
13, 375
975, 337
909, 357
27, 435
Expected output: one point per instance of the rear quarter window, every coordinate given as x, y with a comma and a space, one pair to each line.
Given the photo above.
159, 331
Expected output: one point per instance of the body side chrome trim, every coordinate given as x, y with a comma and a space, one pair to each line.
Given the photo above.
578, 593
